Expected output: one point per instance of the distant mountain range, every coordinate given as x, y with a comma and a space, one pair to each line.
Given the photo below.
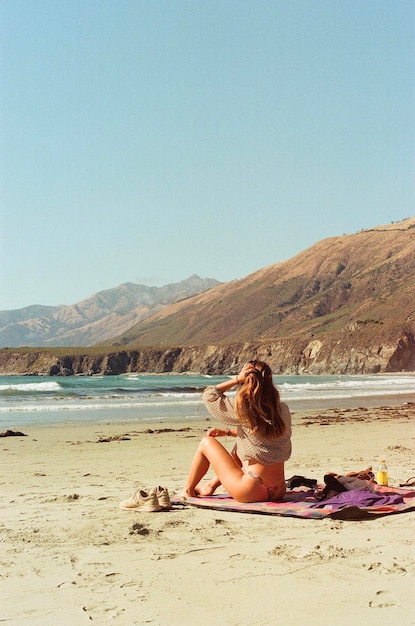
346, 305
96, 319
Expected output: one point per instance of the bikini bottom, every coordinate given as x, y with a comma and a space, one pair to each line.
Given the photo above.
274, 493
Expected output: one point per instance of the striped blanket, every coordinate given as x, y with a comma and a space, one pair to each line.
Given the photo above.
298, 503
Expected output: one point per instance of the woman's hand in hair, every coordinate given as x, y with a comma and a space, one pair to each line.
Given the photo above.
248, 368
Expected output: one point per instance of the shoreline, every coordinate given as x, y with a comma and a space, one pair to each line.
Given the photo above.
296, 407
365, 409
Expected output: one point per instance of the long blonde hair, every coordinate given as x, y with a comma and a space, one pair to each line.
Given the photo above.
258, 403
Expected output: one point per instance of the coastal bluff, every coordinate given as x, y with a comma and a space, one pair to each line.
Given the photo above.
344, 352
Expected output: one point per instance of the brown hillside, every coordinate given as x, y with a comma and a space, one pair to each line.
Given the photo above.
365, 280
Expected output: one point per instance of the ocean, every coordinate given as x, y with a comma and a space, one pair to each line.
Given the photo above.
154, 398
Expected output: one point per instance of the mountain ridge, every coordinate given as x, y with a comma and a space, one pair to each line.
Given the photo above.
96, 318
368, 277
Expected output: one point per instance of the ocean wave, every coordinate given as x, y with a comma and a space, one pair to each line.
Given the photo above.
142, 397
344, 396
370, 386
22, 388
158, 390
93, 406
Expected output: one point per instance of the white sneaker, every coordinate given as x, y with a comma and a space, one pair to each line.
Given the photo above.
163, 497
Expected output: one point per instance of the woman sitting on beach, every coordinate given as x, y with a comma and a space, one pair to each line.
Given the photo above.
254, 471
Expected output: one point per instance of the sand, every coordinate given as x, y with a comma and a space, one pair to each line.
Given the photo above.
69, 555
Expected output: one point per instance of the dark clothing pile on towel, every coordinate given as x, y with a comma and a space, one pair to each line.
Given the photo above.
358, 498
300, 481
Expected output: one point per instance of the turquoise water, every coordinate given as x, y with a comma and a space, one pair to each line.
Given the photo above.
145, 398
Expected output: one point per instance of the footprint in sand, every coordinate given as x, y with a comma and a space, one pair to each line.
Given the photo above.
387, 569
139, 529
69, 498
108, 612
383, 600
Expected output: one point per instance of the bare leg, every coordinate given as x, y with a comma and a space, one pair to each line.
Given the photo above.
211, 453
209, 487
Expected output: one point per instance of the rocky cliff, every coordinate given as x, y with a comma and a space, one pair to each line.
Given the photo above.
346, 352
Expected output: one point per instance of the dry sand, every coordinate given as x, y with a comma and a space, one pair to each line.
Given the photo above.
69, 555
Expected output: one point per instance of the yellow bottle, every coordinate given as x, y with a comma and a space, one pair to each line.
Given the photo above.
382, 474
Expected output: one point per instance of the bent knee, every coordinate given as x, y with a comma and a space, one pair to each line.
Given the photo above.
207, 443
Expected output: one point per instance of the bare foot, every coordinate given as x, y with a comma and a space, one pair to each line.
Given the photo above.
187, 493
205, 489
208, 487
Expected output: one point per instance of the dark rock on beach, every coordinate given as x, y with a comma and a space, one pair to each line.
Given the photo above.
12, 433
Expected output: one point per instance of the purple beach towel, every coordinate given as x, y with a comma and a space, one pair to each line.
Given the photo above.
359, 498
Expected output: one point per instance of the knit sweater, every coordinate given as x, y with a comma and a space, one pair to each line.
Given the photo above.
250, 445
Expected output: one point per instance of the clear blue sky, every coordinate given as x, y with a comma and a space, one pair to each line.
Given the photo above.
147, 141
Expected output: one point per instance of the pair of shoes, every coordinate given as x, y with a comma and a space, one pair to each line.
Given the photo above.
157, 500
141, 501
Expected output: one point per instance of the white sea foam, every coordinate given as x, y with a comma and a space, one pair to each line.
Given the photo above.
32, 387
348, 387
93, 406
